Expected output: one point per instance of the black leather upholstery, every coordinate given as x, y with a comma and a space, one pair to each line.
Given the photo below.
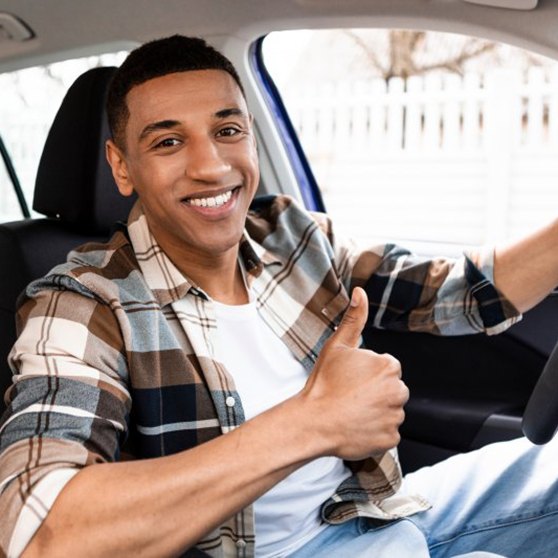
76, 192
74, 182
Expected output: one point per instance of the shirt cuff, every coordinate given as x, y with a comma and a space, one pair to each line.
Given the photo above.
37, 507
496, 311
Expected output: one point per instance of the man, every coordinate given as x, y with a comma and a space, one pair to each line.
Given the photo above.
229, 347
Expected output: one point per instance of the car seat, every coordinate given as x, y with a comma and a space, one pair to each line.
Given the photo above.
74, 191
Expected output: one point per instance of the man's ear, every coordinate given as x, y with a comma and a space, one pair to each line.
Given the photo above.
117, 163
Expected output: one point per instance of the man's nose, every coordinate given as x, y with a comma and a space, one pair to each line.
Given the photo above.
206, 162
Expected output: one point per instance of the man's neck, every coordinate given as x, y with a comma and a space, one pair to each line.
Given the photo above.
214, 270
224, 284
219, 276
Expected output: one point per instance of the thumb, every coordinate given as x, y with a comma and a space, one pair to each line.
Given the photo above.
353, 322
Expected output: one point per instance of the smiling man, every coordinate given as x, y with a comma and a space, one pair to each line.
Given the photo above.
223, 336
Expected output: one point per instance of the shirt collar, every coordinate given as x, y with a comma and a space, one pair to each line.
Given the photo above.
164, 278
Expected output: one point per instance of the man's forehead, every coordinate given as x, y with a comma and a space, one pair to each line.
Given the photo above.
202, 86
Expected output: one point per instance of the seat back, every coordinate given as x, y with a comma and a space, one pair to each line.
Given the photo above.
76, 193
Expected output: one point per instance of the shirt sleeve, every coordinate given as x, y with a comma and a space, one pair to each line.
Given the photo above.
406, 292
440, 296
28, 521
67, 409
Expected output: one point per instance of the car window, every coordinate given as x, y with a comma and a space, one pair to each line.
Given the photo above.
436, 139
30, 99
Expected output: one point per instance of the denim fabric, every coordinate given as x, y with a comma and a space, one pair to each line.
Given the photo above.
501, 500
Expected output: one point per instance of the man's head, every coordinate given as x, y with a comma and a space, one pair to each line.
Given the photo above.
184, 142
155, 59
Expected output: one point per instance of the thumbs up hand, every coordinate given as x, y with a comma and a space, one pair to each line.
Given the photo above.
355, 395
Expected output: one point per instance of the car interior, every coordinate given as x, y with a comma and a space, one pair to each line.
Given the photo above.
465, 391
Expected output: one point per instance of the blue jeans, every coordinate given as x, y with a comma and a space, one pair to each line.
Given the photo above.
501, 500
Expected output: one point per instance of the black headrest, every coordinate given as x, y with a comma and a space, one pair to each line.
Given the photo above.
74, 181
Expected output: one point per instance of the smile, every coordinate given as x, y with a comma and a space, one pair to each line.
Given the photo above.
216, 201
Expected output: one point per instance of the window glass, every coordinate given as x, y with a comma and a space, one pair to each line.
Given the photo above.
30, 99
434, 138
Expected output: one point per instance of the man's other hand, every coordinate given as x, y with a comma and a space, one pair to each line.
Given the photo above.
357, 395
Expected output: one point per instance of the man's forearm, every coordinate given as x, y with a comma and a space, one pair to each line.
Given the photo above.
526, 271
159, 507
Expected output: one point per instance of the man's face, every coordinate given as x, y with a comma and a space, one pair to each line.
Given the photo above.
190, 154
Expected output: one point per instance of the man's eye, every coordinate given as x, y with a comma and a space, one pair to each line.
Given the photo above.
167, 142
228, 132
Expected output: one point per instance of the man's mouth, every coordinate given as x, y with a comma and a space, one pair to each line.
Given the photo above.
214, 201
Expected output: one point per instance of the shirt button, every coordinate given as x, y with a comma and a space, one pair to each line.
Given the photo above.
230, 401
241, 543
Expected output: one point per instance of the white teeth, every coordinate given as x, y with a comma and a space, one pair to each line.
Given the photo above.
217, 201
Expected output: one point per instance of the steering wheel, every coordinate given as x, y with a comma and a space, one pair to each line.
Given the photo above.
540, 419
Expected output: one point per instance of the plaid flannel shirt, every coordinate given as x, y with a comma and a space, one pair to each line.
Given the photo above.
118, 342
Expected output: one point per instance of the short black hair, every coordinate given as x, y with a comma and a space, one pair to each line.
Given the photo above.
157, 58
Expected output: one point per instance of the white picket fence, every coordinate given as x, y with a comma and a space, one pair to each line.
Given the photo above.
427, 114
451, 160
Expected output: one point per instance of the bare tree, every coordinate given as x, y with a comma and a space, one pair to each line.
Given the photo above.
408, 53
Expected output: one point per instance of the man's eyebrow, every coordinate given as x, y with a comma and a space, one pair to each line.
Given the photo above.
225, 113
156, 126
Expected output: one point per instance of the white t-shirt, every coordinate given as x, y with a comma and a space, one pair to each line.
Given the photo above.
265, 373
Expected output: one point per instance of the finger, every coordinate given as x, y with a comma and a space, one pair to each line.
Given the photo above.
391, 364
353, 322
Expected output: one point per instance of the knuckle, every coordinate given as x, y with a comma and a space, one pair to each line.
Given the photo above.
391, 363
405, 393
392, 360
390, 440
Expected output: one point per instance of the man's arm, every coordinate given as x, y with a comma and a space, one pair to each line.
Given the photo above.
408, 292
351, 407
526, 271
160, 507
